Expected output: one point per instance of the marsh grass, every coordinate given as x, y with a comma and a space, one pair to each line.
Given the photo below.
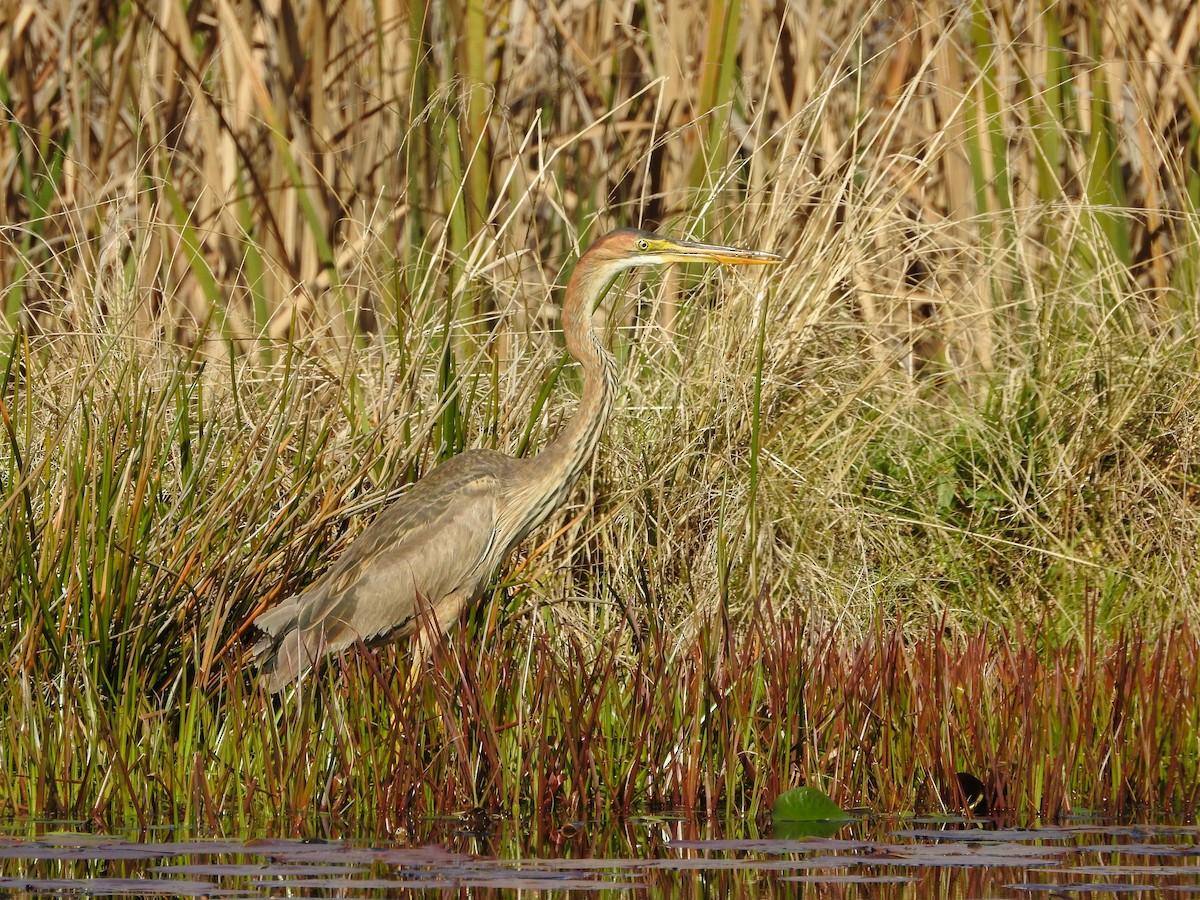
554, 732
947, 451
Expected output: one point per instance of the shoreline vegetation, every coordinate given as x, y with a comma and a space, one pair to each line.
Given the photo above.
925, 500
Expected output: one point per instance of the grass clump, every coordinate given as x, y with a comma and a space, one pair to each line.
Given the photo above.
951, 446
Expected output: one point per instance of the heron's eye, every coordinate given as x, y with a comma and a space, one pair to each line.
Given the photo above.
643, 245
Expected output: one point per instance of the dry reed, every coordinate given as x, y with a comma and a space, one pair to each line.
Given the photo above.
265, 266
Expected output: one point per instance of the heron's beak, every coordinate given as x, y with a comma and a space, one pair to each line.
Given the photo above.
690, 251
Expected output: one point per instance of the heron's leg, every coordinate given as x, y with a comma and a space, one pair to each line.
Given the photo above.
435, 621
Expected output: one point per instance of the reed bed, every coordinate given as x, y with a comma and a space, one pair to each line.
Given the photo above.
922, 500
528, 727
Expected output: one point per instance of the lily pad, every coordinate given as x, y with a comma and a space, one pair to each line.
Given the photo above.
805, 812
807, 804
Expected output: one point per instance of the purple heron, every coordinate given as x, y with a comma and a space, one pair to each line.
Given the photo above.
433, 550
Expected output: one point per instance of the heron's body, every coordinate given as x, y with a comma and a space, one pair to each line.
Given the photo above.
434, 550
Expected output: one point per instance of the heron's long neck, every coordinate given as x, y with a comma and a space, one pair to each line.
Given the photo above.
562, 462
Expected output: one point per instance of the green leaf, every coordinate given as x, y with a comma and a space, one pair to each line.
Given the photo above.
806, 804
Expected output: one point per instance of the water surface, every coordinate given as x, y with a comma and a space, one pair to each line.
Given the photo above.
646, 856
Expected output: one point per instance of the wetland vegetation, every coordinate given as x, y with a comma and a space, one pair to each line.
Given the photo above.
924, 500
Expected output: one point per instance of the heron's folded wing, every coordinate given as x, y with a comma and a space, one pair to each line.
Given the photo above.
432, 542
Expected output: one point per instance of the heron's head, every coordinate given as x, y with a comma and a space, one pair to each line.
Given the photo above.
629, 247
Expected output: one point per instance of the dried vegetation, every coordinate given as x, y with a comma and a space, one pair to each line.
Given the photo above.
924, 500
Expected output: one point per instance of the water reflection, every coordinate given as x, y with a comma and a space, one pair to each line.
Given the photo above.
477, 856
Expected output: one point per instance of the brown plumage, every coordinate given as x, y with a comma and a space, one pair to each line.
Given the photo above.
434, 550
